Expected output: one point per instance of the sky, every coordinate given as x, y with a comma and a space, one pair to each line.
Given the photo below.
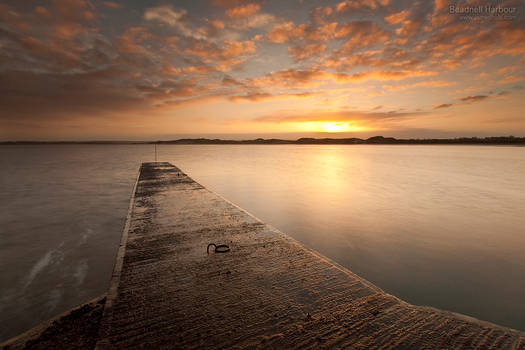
160, 70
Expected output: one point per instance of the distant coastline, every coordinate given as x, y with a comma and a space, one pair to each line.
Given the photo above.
376, 140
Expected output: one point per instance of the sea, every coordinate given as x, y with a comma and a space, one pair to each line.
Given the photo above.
435, 225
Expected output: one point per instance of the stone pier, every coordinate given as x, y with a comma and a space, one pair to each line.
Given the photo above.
268, 291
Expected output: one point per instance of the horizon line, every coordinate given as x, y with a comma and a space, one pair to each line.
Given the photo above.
374, 139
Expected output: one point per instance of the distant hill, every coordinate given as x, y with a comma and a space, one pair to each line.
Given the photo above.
376, 140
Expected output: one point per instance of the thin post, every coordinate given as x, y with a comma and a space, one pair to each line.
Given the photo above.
155, 153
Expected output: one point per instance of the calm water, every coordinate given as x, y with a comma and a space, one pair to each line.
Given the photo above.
434, 225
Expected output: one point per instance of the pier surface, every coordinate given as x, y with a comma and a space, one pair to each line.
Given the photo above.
268, 292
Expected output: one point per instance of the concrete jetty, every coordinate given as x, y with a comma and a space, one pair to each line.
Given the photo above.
267, 292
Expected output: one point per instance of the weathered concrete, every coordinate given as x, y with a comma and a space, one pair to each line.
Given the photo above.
73, 329
268, 291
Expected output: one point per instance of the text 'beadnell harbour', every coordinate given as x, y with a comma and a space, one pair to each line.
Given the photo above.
488, 9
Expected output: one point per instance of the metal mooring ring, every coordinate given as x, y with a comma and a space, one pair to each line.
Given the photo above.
221, 248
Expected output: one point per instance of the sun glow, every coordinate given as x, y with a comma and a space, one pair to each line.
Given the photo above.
335, 127
339, 127
327, 126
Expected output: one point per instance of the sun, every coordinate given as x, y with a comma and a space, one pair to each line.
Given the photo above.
330, 126
337, 127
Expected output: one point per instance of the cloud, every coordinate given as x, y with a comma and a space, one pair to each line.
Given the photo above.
130, 42
510, 79
60, 37
248, 16
258, 97
371, 118
443, 105
397, 17
303, 52
284, 32
320, 15
174, 18
408, 30
256, 21
174, 56
292, 78
228, 50
228, 3
57, 96
431, 83
165, 14
350, 5
290, 32
323, 32
243, 11
113, 5
381, 75
346, 62
359, 34
223, 58
64, 20
13, 19
74, 10
476, 98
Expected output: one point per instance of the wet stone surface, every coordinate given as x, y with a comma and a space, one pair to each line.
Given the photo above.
267, 292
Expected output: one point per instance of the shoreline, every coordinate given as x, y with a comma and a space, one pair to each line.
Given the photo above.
375, 140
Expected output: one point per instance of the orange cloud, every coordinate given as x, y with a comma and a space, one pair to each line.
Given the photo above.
230, 49
216, 24
74, 10
219, 58
366, 59
113, 5
130, 42
67, 19
282, 33
303, 52
258, 97
321, 33
43, 12
243, 11
510, 79
349, 5
368, 118
382, 75
432, 83
397, 17
408, 30
176, 56
255, 21
288, 31
361, 34
291, 78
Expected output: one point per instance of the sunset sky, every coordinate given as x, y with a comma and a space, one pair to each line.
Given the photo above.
142, 70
